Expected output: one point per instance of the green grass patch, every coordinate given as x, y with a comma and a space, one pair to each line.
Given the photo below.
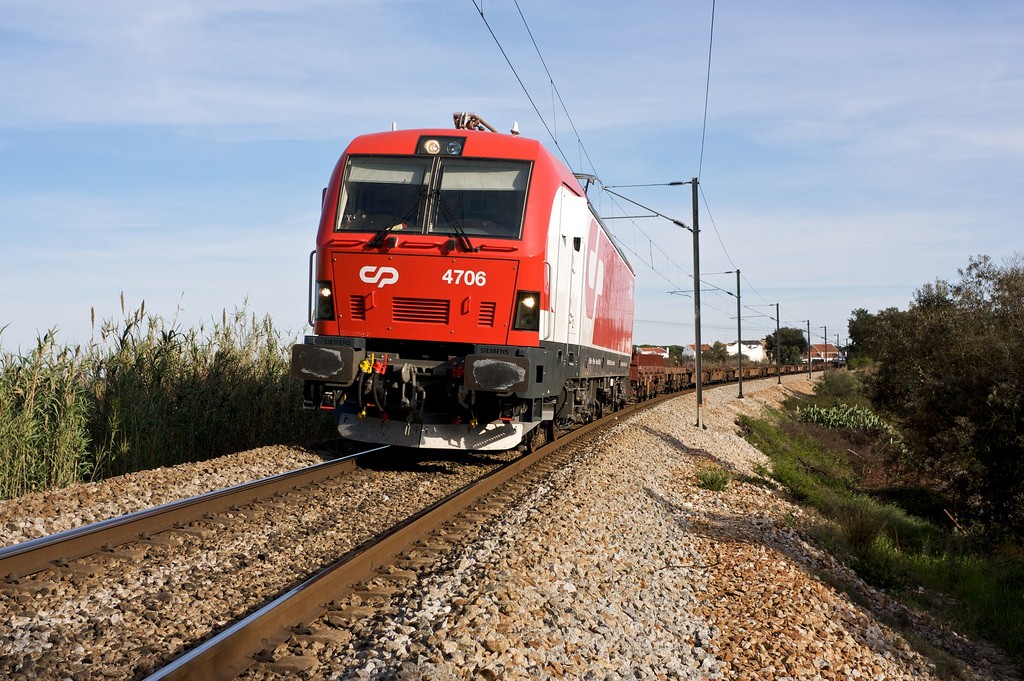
713, 478
917, 560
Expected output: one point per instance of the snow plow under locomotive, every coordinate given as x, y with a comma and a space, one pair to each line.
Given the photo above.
463, 292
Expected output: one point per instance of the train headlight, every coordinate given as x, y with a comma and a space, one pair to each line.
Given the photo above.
527, 317
435, 146
324, 300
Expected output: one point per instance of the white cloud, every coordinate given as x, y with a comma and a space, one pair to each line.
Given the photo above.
893, 130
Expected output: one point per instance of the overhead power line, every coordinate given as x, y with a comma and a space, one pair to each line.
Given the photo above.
551, 129
526, 91
707, 91
554, 88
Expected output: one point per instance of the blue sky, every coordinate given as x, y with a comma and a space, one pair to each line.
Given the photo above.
175, 151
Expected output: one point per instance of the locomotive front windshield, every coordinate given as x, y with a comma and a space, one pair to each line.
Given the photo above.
437, 195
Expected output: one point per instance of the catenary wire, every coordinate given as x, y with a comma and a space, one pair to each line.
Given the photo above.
707, 90
556, 94
526, 91
554, 89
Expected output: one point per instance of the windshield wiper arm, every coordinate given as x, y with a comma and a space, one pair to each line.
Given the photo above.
447, 212
409, 216
378, 239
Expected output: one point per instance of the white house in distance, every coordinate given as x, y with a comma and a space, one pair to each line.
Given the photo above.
752, 350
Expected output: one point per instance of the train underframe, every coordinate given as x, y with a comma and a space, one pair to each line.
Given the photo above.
458, 396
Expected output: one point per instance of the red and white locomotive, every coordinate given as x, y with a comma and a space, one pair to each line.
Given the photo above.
463, 292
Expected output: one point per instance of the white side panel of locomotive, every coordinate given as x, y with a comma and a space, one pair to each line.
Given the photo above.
566, 263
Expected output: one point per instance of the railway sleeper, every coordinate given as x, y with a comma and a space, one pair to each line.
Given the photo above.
416, 564
290, 665
348, 611
398, 575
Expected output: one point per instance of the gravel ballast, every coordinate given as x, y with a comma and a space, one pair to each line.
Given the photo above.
621, 566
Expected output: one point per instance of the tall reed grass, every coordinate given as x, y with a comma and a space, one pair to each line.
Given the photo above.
44, 418
146, 393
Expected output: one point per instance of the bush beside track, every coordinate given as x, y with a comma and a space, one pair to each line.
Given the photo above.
146, 394
834, 454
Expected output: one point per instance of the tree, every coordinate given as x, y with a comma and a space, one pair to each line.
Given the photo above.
861, 329
676, 355
718, 354
792, 345
951, 373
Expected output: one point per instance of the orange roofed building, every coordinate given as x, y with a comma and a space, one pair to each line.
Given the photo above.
825, 352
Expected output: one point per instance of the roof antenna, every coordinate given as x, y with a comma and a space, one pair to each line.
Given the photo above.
394, 126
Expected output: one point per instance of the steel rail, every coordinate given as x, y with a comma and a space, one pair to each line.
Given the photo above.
58, 549
230, 652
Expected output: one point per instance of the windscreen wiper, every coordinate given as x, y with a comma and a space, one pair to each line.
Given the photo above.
378, 239
450, 217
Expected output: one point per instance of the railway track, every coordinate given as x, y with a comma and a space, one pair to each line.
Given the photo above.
340, 592
375, 571
132, 610
61, 549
